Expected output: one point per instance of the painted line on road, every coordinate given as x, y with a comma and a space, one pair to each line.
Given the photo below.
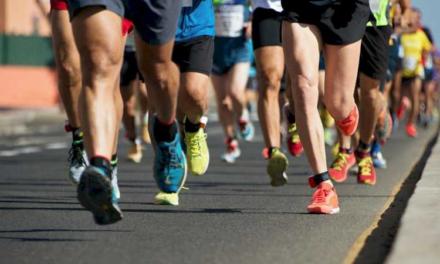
33, 149
361, 240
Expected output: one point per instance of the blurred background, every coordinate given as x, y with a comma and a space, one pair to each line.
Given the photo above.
27, 77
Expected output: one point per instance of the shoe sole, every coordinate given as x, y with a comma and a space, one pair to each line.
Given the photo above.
165, 201
95, 194
277, 171
319, 210
203, 171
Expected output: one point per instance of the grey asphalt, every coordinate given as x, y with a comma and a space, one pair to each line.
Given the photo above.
230, 215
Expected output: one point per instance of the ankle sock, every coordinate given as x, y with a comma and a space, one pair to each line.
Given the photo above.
363, 147
102, 163
191, 127
164, 132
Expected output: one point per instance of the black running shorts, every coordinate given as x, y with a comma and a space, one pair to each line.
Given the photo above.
340, 22
194, 55
129, 69
266, 28
116, 6
375, 52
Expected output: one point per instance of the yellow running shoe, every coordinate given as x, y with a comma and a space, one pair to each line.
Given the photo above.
276, 167
163, 198
197, 152
335, 150
135, 153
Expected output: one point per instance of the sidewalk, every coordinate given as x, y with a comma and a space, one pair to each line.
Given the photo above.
418, 239
18, 122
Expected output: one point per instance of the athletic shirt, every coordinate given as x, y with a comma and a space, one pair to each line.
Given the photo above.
414, 45
230, 17
267, 4
196, 19
381, 11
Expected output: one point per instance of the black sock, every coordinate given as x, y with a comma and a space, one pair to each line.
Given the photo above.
164, 132
345, 150
290, 117
102, 163
321, 177
190, 127
271, 149
363, 147
77, 135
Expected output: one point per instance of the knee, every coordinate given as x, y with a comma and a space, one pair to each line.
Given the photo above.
269, 82
69, 69
196, 96
370, 95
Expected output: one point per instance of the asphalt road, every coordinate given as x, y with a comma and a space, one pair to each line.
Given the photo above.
230, 215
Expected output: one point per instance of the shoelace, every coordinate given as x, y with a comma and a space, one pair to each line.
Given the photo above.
169, 158
76, 157
365, 166
320, 195
293, 133
194, 145
340, 161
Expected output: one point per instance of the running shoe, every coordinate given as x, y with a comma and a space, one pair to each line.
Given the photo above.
170, 167
163, 198
340, 167
276, 167
376, 154
197, 151
96, 194
135, 152
326, 118
411, 130
335, 150
329, 136
324, 200
77, 161
349, 124
247, 130
293, 141
384, 126
232, 151
115, 187
366, 173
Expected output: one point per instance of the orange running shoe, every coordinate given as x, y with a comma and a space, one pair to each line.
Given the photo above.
338, 171
349, 124
324, 200
411, 130
366, 173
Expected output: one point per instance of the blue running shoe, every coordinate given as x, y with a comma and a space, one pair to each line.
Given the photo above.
376, 154
95, 193
116, 194
170, 168
247, 130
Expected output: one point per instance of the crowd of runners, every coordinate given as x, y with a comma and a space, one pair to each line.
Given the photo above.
342, 73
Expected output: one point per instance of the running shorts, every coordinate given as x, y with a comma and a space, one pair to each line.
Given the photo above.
340, 22
194, 55
228, 52
58, 5
266, 28
155, 20
375, 52
129, 69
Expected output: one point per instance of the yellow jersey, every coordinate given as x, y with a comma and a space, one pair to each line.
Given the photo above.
414, 45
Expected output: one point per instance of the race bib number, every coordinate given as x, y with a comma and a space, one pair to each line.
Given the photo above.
375, 6
187, 3
410, 64
229, 21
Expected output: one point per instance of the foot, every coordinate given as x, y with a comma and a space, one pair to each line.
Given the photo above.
135, 152
340, 167
197, 151
293, 141
411, 130
96, 194
276, 167
366, 173
232, 151
77, 161
247, 130
170, 167
349, 124
384, 127
324, 200
145, 134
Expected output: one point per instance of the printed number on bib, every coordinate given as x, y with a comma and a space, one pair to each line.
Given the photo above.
410, 64
229, 21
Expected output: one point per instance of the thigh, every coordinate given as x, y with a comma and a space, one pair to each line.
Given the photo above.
62, 34
270, 62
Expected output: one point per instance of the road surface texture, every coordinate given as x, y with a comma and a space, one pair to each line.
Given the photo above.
230, 215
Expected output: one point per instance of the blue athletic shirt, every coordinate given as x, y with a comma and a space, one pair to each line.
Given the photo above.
196, 19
